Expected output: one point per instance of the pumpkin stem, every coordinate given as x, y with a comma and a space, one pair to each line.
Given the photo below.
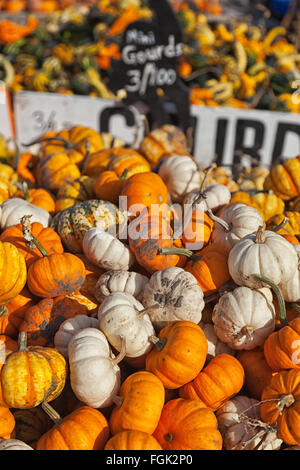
207, 171
179, 251
285, 402
281, 225
219, 221
260, 239
141, 313
31, 241
122, 353
248, 331
280, 299
117, 400
22, 341
52, 413
67, 144
24, 188
3, 311
124, 174
158, 342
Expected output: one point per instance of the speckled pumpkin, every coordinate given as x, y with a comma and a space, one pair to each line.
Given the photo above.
31, 376
75, 221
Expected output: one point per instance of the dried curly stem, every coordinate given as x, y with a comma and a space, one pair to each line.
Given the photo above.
219, 221
31, 241
24, 188
122, 353
52, 413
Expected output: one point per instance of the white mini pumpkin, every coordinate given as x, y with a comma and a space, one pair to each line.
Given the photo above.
69, 328
94, 370
173, 294
13, 444
181, 176
233, 223
241, 428
12, 210
120, 281
213, 197
215, 345
264, 253
244, 318
119, 315
291, 289
106, 251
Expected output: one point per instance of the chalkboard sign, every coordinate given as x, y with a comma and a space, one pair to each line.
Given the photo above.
149, 61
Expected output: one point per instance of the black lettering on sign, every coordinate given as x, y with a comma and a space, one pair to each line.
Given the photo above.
220, 140
240, 148
282, 130
108, 113
150, 51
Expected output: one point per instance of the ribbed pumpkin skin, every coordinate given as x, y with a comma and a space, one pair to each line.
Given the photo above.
166, 139
55, 170
46, 236
56, 275
221, 379
198, 229
211, 270
128, 159
257, 372
10, 322
187, 425
183, 355
32, 376
288, 419
132, 440
7, 423
108, 186
284, 179
39, 197
84, 429
153, 236
281, 346
13, 272
144, 397
145, 189
42, 321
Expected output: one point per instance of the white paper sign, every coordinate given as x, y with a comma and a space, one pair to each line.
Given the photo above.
6, 126
264, 135
37, 113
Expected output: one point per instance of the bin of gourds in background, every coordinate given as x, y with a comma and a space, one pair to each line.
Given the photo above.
236, 64
140, 342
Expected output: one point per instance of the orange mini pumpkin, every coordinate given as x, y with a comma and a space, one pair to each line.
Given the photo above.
42, 321
188, 425
46, 236
220, 380
132, 440
142, 397
179, 354
84, 429
281, 405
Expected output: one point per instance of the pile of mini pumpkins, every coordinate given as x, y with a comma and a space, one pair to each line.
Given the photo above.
116, 336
